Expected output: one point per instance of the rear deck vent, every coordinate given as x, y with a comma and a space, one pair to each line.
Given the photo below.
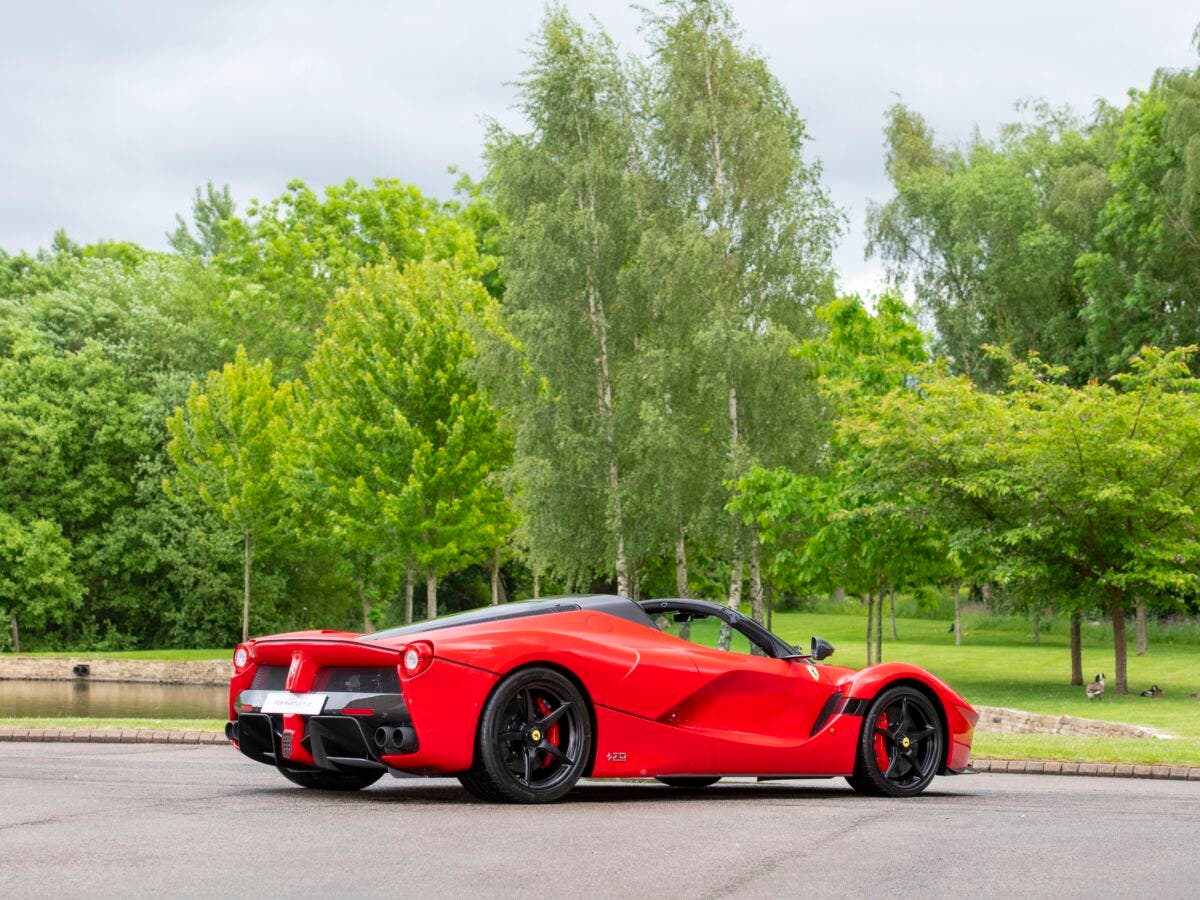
358, 680
269, 678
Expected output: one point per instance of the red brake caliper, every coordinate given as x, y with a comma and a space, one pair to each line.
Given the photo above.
543, 709
881, 754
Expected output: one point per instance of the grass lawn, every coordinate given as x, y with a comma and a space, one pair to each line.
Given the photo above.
118, 724
221, 653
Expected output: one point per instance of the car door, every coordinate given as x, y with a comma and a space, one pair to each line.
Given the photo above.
758, 711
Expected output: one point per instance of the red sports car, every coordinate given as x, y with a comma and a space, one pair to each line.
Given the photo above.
520, 701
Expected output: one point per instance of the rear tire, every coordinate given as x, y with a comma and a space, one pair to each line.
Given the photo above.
692, 782
534, 739
477, 785
333, 781
900, 748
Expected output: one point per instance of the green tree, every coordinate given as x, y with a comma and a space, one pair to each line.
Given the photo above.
845, 524
567, 189
754, 234
37, 585
224, 442
287, 257
401, 449
1143, 278
210, 211
987, 234
1051, 485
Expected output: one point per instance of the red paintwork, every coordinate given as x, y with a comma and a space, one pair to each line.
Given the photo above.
661, 705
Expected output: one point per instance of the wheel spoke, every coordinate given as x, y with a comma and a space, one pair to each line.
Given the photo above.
886, 734
555, 752
529, 756
891, 767
510, 736
554, 715
924, 734
530, 709
905, 722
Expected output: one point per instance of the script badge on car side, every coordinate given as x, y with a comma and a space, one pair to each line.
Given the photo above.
295, 704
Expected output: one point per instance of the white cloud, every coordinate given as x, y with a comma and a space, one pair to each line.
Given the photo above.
113, 115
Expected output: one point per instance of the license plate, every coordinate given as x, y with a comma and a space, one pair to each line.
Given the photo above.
296, 704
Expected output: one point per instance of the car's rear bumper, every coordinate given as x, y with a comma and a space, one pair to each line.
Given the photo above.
428, 729
334, 743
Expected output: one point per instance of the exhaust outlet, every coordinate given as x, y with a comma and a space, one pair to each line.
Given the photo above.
390, 739
231, 731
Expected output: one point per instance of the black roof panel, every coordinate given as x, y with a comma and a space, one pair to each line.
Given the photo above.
604, 603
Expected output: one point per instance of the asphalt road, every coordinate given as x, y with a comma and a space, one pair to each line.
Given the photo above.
104, 820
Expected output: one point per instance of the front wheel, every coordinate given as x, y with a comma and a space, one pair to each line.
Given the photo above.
535, 737
900, 748
694, 782
333, 781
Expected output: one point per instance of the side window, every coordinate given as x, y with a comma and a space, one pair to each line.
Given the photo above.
705, 631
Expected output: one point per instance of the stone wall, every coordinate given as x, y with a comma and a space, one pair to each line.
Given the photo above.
153, 671
1015, 721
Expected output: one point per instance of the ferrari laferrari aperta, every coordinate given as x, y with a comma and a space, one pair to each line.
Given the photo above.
519, 701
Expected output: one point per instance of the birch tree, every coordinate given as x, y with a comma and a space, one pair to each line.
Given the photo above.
756, 230
566, 186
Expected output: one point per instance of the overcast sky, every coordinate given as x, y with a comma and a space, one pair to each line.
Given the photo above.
113, 112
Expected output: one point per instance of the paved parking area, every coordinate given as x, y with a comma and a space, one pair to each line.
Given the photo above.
179, 820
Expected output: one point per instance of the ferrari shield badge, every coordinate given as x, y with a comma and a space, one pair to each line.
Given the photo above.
812, 670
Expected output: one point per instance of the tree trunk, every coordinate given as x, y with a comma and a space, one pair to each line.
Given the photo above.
839, 594
735, 576
1120, 651
537, 584
1140, 628
735, 568
892, 604
430, 594
408, 593
770, 592
365, 600
735, 595
1076, 649
879, 619
956, 588
681, 569
756, 587
1037, 626
870, 626
247, 550
604, 393
496, 577
16, 632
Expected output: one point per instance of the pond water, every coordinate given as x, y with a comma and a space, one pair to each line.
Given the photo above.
110, 699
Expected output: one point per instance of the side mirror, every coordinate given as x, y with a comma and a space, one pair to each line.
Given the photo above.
821, 648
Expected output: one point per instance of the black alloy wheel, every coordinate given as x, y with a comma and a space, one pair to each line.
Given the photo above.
535, 737
900, 748
332, 781
694, 782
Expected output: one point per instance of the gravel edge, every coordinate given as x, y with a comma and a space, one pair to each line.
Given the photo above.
1004, 766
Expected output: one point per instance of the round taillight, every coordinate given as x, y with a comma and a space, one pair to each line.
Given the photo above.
241, 656
416, 659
